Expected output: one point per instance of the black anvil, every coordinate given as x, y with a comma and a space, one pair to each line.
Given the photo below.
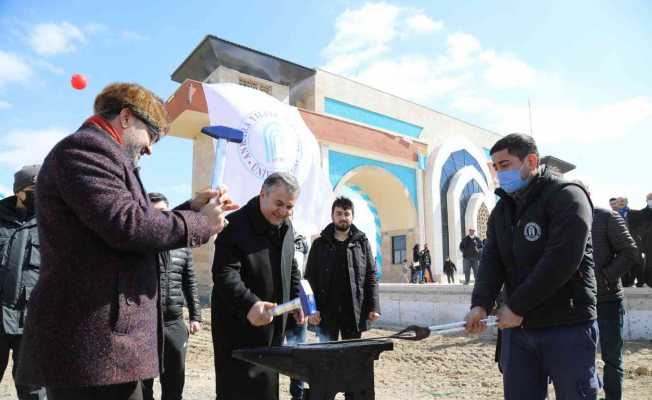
329, 368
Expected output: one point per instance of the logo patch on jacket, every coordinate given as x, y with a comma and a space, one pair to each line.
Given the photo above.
532, 231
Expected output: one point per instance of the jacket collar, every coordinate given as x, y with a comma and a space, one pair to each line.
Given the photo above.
354, 233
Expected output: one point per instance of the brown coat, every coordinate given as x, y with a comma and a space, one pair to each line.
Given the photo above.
94, 315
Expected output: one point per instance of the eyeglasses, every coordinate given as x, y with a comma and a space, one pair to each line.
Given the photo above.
153, 132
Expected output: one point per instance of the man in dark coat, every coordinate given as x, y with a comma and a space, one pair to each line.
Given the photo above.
94, 329
254, 269
178, 286
539, 247
341, 270
20, 262
450, 269
614, 254
470, 247
640, 226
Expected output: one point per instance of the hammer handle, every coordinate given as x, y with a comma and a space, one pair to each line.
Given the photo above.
220, 163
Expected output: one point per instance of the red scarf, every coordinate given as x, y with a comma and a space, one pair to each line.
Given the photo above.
102, 124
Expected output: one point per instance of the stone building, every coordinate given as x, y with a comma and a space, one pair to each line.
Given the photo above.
415, 174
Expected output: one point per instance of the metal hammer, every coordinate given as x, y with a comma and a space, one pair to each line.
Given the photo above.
305, 301
224, 135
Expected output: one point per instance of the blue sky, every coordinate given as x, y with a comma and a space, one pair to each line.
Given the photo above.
584, 65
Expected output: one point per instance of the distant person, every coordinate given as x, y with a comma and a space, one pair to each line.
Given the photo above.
640, 224
406, 270
178, 286
623, 207
425, 262
450, 269
19, 271
613, 203
471, 246
417, 268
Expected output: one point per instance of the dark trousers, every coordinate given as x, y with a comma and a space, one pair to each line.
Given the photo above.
610, 321
123, 391
416, 276
451, 277
173, 378
470, 264
295, 333
334, 334
564, 354
11, 343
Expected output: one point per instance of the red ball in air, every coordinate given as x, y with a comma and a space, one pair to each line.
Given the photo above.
78, 81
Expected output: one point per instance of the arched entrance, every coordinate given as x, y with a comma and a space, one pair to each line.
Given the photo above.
452, 166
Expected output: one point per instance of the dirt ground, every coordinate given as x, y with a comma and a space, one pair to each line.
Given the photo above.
452, 367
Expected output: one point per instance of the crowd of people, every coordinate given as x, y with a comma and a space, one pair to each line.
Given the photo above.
420, 269
105, 268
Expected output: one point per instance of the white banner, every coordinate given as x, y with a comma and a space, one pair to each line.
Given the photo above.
275, 139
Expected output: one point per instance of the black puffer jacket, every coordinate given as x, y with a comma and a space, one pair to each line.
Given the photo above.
20, 264
361, 272
614, 253
179, 283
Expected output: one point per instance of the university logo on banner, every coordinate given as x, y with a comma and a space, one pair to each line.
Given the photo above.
270, 144
275, 138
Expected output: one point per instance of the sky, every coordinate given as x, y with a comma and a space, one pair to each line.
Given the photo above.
584, 67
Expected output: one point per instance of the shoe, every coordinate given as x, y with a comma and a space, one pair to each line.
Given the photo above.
640, 284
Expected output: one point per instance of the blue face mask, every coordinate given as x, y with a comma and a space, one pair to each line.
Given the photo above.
511, 181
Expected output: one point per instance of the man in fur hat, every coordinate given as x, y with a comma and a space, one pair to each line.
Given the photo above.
94, 330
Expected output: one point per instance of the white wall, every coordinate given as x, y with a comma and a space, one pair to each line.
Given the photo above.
408, 304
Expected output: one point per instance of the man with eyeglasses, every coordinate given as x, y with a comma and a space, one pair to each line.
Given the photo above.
94, 329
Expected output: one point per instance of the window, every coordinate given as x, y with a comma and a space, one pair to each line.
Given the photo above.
399, 249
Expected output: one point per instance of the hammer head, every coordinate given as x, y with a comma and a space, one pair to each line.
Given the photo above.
223, 132
307, 298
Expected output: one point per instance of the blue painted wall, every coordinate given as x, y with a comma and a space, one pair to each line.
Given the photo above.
348, 111
377, 223
340, 164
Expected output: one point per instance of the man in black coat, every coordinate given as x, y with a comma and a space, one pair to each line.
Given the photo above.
470, 247
253, 270
539, 247
450, 269
614, 253
178, 286
20, 263
341, 270
640, 226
